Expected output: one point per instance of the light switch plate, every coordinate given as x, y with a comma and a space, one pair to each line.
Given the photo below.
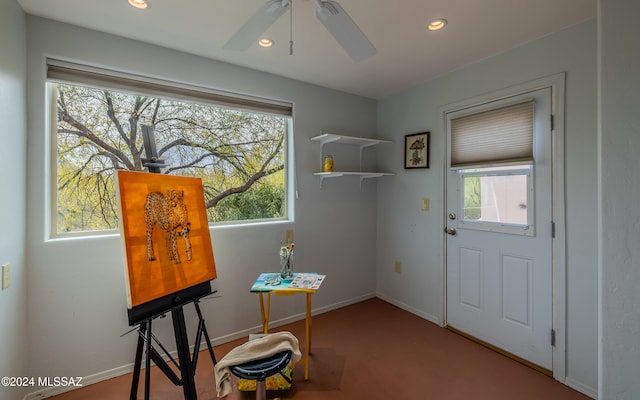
6, 276
425, 204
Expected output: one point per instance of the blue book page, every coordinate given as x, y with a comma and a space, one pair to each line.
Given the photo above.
268, 281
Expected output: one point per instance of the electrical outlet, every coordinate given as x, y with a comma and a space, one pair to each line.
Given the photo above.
397, 267
288, 236
425, 204
6, 276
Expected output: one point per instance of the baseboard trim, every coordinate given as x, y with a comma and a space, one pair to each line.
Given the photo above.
581, 387
315, 311
128, 368
86, 381
412, 310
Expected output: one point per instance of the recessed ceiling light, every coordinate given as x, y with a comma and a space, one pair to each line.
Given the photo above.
265, 42
139, 3
437, 24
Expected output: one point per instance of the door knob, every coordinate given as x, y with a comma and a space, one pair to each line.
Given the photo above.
450, 231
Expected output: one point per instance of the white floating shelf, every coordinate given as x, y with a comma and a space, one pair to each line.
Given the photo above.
350, 140
362, 175
362, 143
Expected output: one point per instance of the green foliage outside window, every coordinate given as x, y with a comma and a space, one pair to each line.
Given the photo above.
239, 155
472, 198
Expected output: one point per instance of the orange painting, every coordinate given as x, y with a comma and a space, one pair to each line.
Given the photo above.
164, 227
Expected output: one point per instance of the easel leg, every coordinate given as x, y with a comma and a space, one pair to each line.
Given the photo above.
138, 362
184, 358
147, 363
206, 334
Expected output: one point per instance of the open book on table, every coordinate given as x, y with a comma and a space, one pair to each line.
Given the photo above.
269, 281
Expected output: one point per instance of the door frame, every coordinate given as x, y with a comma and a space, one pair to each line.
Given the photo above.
558, 285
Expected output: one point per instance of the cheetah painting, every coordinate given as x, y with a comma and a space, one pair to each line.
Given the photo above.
170, 214
165, 233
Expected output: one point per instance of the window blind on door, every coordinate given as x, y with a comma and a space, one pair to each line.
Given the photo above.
495, 137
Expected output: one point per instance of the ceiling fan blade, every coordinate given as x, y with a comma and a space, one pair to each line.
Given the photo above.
344, 30
257, 25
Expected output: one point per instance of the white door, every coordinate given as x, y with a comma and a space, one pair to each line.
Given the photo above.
499, 245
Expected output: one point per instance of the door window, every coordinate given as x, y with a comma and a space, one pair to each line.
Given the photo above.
497, 199
492, 153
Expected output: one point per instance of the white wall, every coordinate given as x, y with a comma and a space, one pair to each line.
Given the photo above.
415, 238
13, 301
619, 141
77, 307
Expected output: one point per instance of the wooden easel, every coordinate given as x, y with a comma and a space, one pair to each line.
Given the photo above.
144, 314
186, 364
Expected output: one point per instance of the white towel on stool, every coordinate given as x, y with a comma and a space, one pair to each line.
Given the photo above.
252, 350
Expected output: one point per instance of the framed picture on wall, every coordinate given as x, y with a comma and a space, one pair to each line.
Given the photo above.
416, 150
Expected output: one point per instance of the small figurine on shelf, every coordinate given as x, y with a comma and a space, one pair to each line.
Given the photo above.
286, 260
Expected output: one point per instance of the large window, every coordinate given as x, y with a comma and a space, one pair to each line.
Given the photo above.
239, 150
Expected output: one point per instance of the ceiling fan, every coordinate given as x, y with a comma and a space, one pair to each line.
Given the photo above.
329, 13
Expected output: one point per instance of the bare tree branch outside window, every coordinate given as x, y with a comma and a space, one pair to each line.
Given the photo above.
239, 155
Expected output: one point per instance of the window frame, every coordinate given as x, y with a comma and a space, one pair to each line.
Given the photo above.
494, 226
205, 96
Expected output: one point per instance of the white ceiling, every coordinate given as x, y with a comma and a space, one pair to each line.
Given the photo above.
408, 53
